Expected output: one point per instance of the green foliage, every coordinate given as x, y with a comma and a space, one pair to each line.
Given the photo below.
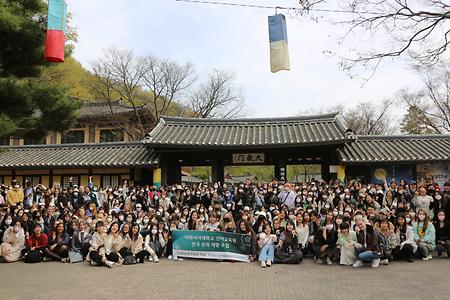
414, 122
31, 106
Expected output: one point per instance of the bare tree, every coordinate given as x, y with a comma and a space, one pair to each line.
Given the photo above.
166, 80
218, 97
417, 29
429, 107
369, 119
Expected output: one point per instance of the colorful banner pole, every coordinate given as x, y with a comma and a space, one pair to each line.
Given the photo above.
56, 29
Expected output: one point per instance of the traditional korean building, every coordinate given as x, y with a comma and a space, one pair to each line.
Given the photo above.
292, 149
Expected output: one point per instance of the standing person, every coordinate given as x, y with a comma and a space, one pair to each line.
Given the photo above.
35, 244
58, 244
287, 197
424, 234
423, 201
15, 196
442, 227
13, 242
367, 246
266, 245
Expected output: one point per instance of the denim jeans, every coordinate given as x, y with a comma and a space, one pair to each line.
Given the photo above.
267, 253
367, 256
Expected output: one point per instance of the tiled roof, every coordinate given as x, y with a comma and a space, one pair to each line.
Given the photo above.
125, 154
406, 148
103, 108
263, 132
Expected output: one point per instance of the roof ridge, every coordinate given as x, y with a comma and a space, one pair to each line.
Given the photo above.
75, 145
331, 116
403, 137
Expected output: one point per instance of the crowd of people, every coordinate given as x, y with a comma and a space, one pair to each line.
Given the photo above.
351, 224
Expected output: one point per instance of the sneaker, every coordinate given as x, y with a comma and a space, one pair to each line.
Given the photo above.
375, 263
384, 262
263, 264
64, 260
329, 262
410, 260
109, 264
268, 263
93, 263
358, 264
319, 261
45, 258
155, 259
150, 259
428, 257
179, 259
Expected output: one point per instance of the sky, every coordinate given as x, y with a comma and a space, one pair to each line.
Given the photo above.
236, 39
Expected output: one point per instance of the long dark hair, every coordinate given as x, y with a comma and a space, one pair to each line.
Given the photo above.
134, 237
110, 227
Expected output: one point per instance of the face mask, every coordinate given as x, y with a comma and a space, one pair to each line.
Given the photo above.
338, 191
89, 222
56, 214
210, 208
327, 206
339, 221
347, 196
342, 196
329, 226
309, 210
146, 221
335, 213
359, 217
177, 211
75, 194
16, 186
8, 222
309, 199
182, 220
121, 218
421, 217
441, 218
324, 196
202, 210
172, 228
202, 219
438, 197
154, 231
408, 220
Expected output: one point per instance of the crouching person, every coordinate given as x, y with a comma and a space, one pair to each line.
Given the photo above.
288, 251
105, 247
266, 246
80, 243
367, 246
58, 244
325, 244
13, 242
133, 246
35, 245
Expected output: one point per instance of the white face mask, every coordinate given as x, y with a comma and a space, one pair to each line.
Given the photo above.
329, 226
408, 220
146, 221
8, 221
438, 197
154, 231
121, 218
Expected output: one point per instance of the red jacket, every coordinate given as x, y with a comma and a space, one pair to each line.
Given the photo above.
37, 242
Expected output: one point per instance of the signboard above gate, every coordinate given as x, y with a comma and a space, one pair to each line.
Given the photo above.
248, 158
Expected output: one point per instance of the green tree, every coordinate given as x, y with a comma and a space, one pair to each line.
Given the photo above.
30, 105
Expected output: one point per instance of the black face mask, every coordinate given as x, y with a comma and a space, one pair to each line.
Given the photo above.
226, 220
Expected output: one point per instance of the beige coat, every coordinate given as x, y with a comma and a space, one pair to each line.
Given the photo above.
13, 243
134, 246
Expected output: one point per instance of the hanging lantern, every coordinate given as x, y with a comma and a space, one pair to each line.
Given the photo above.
279, 51
56, 29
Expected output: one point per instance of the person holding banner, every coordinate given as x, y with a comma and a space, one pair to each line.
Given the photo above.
288, 251
266, 243
245, 227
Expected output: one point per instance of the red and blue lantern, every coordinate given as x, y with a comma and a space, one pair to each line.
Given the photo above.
56, 30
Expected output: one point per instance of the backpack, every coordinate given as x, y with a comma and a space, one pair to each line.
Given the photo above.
33, 256
386, 251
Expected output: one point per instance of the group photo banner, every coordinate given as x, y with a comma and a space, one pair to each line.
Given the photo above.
211, 245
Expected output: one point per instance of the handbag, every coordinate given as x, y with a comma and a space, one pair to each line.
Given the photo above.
33, 256
129, 260
75, 256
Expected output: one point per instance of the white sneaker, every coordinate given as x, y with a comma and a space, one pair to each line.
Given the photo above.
358, 264
150, 259
384, 262
263, 264
155, 259
319, 261
180, 259
109, 264
268, 263
429, 257
329, 262
375, 263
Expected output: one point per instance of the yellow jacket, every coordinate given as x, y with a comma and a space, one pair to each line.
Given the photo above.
14, 196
